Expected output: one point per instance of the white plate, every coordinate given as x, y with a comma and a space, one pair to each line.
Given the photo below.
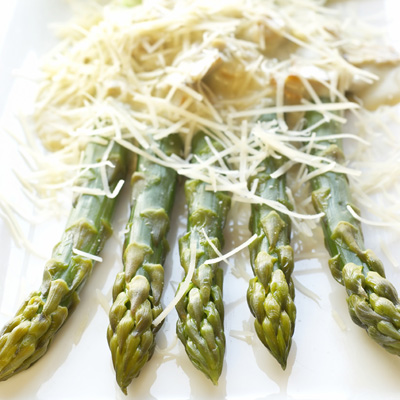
330, 358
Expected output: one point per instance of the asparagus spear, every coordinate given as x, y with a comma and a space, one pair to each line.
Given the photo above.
271, 292
137, 290
26, 337
372, 300
201, 311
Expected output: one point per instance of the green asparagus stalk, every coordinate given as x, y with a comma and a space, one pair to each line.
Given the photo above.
270, 295
372, 300
201, 311
26, 338
137, 290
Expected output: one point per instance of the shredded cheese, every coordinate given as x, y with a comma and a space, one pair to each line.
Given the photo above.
135, 75
87, 255
16, 231
246, 336
389, 254
365, 221
234, 251
213, 246
339, 320
103, 301
183, 288
306, 291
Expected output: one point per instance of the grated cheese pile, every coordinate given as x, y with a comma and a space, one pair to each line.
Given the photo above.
137, 74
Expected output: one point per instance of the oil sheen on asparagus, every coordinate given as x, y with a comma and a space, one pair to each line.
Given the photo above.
201, 310
271, 292
27, 336
372, 300
137, 290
